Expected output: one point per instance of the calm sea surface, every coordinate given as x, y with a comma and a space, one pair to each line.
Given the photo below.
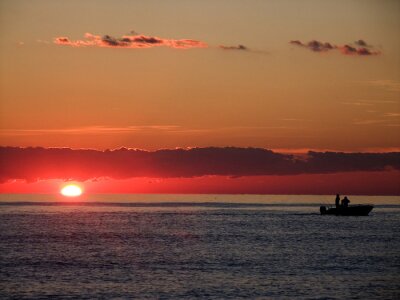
193, 246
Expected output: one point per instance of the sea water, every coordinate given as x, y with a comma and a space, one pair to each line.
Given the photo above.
194, 246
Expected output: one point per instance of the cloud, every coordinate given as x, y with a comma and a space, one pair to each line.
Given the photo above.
392, 114
297, 42
317, 46
388, 85
137, 41
166, 128
369, 122
33, 164
314, 45
369, 102
334, 162
238, 47
361, 43
133, 41
89, 130
62, 40
349, 50
358, 103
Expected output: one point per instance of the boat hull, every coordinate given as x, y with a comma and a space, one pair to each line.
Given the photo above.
353, 210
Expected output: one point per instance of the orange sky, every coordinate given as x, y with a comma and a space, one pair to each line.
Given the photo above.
275, 95
166, 74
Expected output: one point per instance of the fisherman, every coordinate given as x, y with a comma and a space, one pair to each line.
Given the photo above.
337, 201
345, 202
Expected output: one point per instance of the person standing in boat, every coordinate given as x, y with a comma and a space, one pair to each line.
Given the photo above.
345, 202
337, 201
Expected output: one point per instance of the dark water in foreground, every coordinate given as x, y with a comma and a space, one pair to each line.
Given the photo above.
213, 250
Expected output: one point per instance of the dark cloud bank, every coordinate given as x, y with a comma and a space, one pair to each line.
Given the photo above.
34, 164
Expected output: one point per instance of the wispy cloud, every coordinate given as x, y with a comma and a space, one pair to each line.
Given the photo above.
238, 47
294, 120
369, 122
369, 102
134, 41
361, 48
377, 118
88, 130
392, 114
388, 85
172, 129
358, 103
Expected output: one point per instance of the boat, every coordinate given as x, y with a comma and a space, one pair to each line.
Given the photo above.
351, 210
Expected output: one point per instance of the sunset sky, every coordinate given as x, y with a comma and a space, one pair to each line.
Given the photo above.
288, 76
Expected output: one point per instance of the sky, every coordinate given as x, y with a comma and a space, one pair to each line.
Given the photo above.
286, 76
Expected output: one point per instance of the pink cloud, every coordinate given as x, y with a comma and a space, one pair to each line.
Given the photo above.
350, 50
135, 41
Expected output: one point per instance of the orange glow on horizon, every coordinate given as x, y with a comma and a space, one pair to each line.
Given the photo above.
352, 183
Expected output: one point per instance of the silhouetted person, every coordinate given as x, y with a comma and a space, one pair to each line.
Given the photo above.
337, 201
345, 202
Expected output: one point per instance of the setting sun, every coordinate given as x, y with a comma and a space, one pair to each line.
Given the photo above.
71, 190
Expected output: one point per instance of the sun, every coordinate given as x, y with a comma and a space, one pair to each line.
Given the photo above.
71, 190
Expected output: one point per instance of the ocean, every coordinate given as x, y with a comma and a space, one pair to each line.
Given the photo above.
197, 246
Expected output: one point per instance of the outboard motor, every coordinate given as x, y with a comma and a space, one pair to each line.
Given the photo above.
322, 209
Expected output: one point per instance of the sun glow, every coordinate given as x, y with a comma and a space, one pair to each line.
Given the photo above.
71, 190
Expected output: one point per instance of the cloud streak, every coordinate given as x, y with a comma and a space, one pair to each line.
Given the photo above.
34, 164
361, 48
134, 41
238, 47
388, 85
89, 130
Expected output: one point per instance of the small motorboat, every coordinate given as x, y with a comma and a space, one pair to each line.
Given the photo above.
351, 210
